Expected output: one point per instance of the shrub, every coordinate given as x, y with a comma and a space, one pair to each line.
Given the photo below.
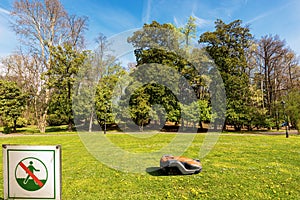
56, 120
21, 122
7, 130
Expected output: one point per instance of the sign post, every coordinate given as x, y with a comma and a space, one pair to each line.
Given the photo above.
32, 172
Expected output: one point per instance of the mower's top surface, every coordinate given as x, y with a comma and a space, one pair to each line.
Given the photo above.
184, 164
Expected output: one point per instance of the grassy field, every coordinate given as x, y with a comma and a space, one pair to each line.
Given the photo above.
239, 167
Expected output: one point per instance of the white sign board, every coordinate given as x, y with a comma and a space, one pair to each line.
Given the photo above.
32, 172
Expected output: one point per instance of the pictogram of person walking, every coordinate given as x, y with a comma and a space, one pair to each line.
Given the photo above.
32, 169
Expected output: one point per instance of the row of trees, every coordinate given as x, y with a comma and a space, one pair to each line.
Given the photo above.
257, 74
45, 29
229, 78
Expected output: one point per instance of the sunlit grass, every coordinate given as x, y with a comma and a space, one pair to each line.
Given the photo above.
238, 167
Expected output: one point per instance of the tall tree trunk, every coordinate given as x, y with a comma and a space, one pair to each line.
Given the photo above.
200, 124
69, 100
42, 123
91, 122
15, 126
42, 112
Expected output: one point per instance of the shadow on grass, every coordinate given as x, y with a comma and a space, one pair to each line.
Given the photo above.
27, 130
156, 171
49, 129
56, 129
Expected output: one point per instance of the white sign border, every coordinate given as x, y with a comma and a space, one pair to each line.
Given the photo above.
57, 167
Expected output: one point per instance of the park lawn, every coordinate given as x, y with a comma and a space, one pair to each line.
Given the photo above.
239, 167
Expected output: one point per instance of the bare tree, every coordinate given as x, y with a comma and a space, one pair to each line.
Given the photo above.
292, 70
103, 55
76, 27
276, 66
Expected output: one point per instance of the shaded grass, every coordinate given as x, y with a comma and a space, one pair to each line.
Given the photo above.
238, 167
31, 129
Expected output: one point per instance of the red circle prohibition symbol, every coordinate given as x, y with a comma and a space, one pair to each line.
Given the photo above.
31, 174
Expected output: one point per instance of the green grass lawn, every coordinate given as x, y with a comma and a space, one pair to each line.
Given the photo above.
238, 167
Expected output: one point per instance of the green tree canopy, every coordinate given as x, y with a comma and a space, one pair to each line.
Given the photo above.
189, 30
160, 44
293, 108
12, 103
104, 93
65, 63
227, 46
155, 36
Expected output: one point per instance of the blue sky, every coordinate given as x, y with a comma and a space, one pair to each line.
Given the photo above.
112, 17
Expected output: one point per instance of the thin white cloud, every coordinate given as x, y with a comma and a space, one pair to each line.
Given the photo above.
259, 17
5, 14
116, 20
177, 22
2, 10
147, 12
200, 22
263, 15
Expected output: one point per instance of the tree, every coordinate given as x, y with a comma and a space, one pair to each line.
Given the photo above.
197, 112
103, 58
156, 36
276, 72
41, 25
84, 94
227, 46
160, 44
144, 98
65, 62
106, 76
12, 103
104, 93
270, 54
293, 108
20, 68
189, 30
155, 43
94, 86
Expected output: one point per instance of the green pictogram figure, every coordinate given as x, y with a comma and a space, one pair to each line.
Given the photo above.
31, 174
32, 169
